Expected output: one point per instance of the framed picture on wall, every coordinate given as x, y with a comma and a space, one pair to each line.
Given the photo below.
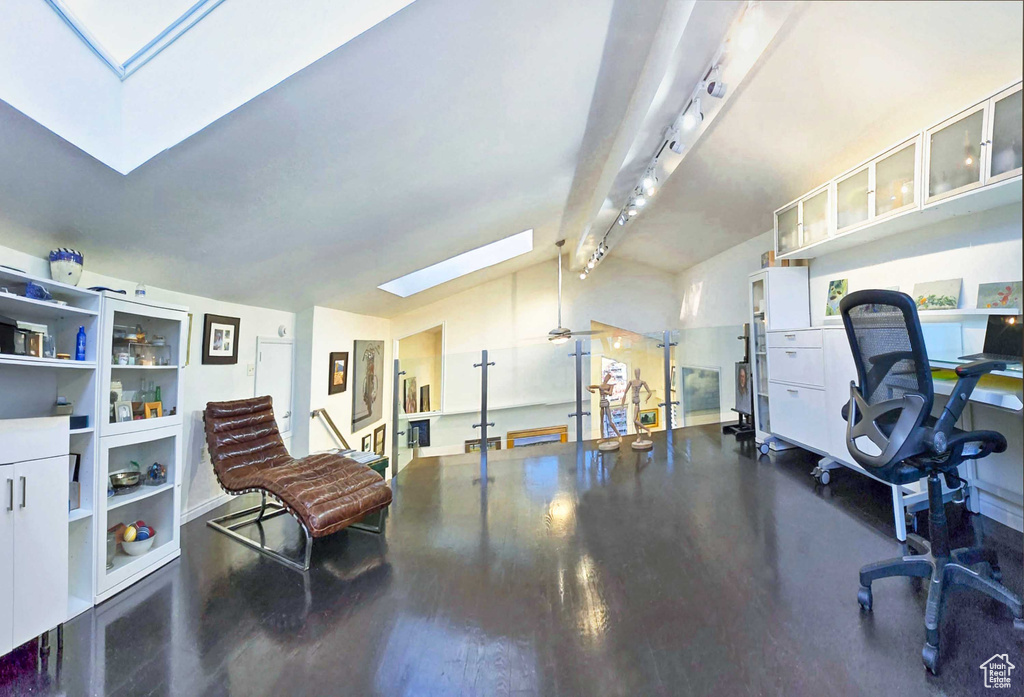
220, 340
378, 439
410, 396
649, 418
367, 445
425, 398
337, 377
367, 378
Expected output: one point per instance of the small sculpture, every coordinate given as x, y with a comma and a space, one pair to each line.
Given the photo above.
605, 389
634, 386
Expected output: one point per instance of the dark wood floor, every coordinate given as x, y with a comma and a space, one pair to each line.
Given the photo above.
700, 570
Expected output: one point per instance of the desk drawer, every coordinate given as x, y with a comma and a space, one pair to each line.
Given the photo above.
805, 366
798, 413
807, 338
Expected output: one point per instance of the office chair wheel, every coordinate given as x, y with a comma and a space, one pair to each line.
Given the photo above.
763, 448
864, 598
824, 477
930, 656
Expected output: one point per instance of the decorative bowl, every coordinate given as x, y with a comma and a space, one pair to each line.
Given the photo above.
66, 265
138, 547
124, 480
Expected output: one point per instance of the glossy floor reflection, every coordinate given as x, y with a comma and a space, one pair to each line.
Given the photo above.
698, 570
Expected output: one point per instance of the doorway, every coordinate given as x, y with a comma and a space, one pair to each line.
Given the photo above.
274, 362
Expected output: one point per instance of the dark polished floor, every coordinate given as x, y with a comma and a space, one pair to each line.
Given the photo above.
698, 570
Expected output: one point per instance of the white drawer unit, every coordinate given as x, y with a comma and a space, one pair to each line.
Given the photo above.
799, 338
798, 415
795, 365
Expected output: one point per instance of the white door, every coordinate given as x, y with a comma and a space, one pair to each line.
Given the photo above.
7, 481
274, 378
40, 547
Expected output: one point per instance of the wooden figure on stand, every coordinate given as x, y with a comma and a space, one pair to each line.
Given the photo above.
634, 386
605, 389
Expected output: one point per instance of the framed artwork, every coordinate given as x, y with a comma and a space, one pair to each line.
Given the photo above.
220, 340
122, 411
618, 414
425, 398
1004, 294
379, 434
650, 418
837, 290
744, 395
367, 446
367, 375
419, 433
473, 446
410, 395
701, 395
937, 295
153, 410
337, 377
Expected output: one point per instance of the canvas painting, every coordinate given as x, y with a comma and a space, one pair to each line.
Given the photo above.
411, 396
368, 376
837, 290
996, 295
649, 418
937, 295
425, 398
419, 433
337, 378
701, 394
744, 395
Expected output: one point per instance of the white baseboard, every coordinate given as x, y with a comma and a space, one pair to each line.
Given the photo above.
1002, 511
204, 508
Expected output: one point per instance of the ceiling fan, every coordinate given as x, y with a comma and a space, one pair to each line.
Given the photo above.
560, 335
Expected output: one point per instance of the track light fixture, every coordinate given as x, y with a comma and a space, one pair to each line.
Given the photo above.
714, 85
693, 115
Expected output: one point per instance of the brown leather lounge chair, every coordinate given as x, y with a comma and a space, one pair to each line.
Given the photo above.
324, 492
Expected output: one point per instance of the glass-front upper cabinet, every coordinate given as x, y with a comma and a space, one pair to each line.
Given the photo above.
852, 199
955, 151
814, 218
787, 229
895, 185
1004, 135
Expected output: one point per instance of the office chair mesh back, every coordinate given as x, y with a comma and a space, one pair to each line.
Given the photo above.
894, 393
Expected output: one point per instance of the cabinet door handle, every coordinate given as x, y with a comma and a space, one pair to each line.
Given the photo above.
24, 491
789, 336
790, 352
793, 391
10, 494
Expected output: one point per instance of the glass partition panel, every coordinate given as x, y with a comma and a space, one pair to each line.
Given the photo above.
711, 376
619, 356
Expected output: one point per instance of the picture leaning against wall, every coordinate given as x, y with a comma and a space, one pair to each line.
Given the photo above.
368, 382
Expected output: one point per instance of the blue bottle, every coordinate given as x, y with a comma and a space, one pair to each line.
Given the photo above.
80, 345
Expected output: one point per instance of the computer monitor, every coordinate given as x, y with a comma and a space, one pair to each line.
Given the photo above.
1004, 335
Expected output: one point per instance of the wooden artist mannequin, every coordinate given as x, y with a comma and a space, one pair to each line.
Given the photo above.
605, 389
634, 386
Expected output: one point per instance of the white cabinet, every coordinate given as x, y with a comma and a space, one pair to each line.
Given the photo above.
882, 187
954, 151
33, 528
803, 222
798, 414
1003, 145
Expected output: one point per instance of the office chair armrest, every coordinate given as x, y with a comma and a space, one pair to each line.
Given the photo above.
978, 368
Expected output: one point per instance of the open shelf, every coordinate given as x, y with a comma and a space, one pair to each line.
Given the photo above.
144, 492
32, 310
955, 312
12, 359
143, 367
59, 290
80, 431
79, 514
122, 560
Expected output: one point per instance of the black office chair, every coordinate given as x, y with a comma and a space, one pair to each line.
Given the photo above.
891, 433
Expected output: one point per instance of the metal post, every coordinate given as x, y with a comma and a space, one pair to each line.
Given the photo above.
395, 433
667, 345
482, 365
579, 413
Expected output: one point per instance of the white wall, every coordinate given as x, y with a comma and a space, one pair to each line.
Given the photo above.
202, 383
320, 331
714, 308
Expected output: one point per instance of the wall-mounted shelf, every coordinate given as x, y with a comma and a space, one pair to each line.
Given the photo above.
959, 312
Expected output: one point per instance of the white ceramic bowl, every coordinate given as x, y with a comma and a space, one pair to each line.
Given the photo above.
137, 548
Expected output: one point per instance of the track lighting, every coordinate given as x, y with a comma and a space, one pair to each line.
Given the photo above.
714, 86
692, 116
632, 210
622, 219
590, 264
650, 181
583, 275
640, 201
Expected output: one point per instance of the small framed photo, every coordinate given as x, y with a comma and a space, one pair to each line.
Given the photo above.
379, 434
337, 378
220, 340
122, 411
425, 398
153, 410
650, 418
367, 446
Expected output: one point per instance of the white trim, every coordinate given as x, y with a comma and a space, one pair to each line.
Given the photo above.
997, 509
260, 340
204, 508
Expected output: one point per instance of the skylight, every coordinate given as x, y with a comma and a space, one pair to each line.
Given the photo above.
460, 265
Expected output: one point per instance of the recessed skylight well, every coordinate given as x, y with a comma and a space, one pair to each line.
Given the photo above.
460, 265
